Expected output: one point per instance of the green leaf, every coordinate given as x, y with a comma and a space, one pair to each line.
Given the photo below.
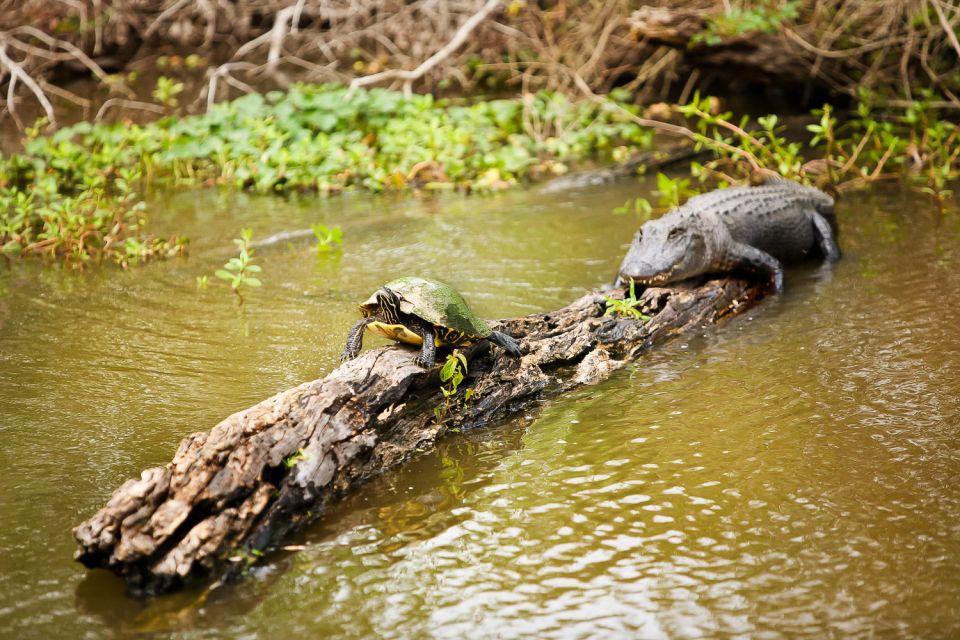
253, 282
225, 275
448, 368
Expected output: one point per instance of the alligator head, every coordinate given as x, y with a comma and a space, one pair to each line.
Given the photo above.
668, 249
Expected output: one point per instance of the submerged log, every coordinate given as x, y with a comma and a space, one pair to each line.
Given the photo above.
242, 487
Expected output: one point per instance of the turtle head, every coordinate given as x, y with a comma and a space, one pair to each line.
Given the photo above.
384, 304
389, 303
665, 250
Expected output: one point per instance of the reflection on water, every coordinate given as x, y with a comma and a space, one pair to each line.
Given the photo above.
788, 474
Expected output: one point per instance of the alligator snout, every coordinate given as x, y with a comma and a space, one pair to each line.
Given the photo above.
630, 270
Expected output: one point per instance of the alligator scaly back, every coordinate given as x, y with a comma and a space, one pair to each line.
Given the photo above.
746, 229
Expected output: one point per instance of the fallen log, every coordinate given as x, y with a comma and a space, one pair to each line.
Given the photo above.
236, 491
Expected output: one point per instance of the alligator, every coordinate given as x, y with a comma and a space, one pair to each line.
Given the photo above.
738, 229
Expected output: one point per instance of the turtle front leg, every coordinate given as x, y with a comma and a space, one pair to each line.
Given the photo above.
428, 352
355, 340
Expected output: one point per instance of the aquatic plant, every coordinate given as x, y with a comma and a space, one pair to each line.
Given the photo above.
237, 270
328, 238
73, 194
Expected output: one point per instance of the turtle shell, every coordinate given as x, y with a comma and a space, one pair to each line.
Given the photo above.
435, 302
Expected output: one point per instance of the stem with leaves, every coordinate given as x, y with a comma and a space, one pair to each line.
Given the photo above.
451, 375
237, 270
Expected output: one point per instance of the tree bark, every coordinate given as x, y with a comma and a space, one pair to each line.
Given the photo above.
242, 487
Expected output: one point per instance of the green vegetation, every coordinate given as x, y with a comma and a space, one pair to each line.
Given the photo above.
328, 238
237, 270
879, 140
73, 194
627, 307
60, 199
291, 461
451, 375
765, 16
166, 90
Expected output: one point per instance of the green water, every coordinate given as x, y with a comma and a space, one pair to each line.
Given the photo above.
790, 473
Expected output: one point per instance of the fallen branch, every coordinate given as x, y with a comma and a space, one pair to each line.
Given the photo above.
241, 488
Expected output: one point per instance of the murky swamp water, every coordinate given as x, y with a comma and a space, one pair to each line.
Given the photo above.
790, 473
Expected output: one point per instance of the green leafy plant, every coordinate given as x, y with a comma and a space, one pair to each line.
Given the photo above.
328, 238
73, 195
640, 207
673, 191
763, 17
626, 307
237, 271
877, 141
81, 182
166, 91
451, 376
291, 461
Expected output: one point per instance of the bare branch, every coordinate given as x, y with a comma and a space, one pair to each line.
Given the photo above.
16, 71
166, 13
947, 27
409, 76
278, 33
128, 104
223, 71
69, 47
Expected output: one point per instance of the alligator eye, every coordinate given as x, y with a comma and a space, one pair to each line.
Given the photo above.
675, 233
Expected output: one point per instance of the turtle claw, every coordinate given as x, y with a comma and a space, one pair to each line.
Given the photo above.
507, 342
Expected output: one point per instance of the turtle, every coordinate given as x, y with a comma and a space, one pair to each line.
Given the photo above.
422, 312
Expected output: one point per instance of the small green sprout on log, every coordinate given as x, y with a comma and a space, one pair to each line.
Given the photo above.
237, 270
451, 375
627, 307
291, 461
